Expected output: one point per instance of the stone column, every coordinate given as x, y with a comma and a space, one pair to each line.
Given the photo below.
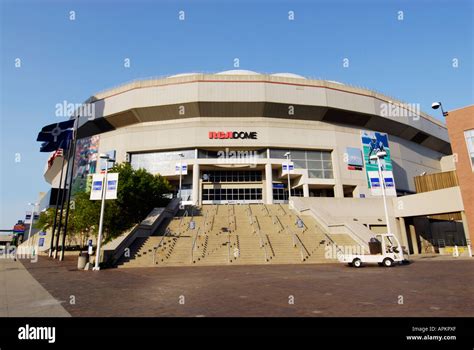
196, 186
403, 232
414, 241
268, 184
305, 190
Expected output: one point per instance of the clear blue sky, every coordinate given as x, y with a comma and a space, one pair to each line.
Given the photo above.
71, 60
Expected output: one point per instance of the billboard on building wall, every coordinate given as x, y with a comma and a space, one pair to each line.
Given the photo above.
373, 142
86, 162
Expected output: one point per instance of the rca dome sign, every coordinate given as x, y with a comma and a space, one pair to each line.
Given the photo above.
243, 135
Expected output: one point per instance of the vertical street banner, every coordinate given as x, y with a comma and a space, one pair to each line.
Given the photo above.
287, 167
111, 189
184, 169
28, 216
373, 142
86, 162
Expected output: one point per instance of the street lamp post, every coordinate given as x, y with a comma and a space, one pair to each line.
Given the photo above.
102, 208
33, 205
377, 157
436, 105
288, 159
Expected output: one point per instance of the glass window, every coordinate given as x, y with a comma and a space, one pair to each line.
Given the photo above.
318, 174
314, 155
328, 174
326, 155
159, 162
278, 153
327, 164
315, 164
469, 135
298, 155
299, 164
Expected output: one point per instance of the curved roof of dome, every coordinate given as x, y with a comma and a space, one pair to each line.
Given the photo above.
288, 75
238, 72
182, 75
335, 82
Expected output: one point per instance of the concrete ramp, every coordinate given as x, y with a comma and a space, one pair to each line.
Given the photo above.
114, 250
343, 224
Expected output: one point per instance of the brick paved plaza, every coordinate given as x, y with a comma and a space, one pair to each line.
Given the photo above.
429, 287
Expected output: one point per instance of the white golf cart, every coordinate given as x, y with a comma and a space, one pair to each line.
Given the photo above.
385, 250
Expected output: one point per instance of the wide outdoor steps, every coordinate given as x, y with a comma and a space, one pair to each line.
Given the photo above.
235, 235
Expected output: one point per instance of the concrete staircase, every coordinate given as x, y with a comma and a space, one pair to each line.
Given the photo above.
236, 235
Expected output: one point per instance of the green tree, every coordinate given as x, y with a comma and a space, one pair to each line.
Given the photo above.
45, 220
138, 193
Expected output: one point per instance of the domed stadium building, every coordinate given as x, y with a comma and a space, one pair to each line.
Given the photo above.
234, 133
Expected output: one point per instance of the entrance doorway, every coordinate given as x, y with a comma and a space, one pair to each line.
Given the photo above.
237, 186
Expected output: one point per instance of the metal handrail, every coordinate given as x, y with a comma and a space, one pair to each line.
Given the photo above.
228, 247
249, 210
205, 221
296, 241
264, 208
276, 220
282, 209
212, 223
262, 244
182, 218
155, 248
194, 244
231, 223
305, 228
339, 250
256, 222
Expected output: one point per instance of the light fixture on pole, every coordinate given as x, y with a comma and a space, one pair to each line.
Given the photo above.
102, 208
379, 155
288, 159
181, 155
33, 205
436, 105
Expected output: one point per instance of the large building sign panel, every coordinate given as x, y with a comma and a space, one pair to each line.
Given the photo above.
373, 142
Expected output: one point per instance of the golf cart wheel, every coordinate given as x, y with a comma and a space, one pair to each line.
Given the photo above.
387, 262
357, 263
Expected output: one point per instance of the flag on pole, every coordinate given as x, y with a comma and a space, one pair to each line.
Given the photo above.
63, 141
55, 132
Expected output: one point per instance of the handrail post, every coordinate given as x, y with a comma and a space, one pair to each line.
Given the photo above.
228, 246
167, 231
196, 236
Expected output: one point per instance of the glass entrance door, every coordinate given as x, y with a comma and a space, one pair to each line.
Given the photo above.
238, 186
226, 195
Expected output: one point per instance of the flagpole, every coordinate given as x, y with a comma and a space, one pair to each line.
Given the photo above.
49, 134
62, 205
51, 244
74, 140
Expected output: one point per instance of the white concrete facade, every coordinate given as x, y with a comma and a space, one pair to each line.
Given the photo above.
412, 159
285, 111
